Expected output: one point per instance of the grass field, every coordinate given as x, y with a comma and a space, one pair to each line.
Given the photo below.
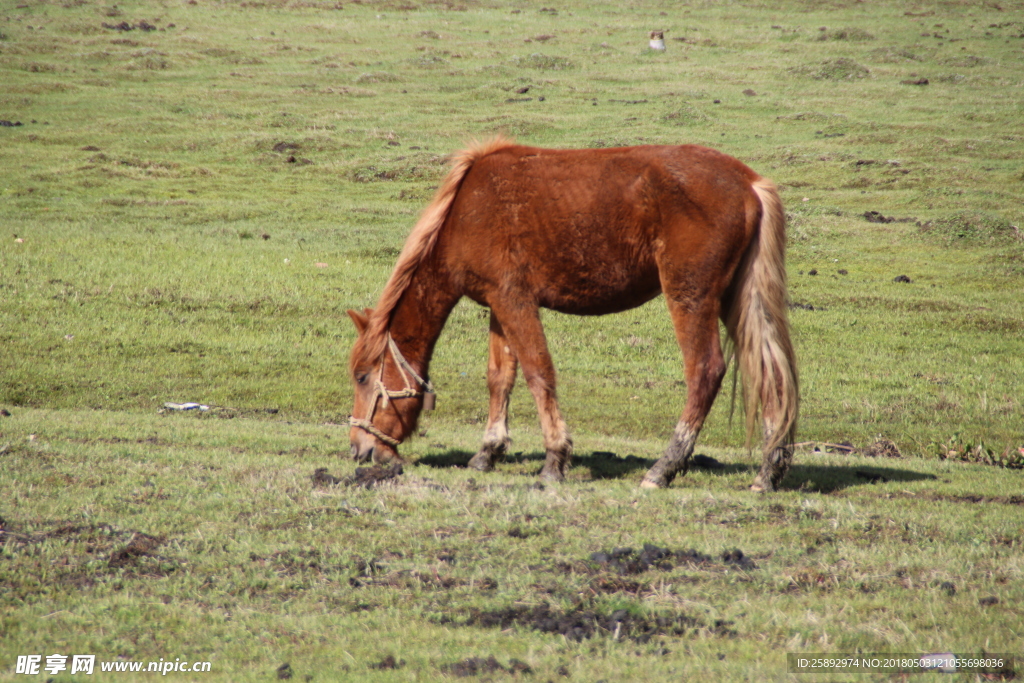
192, 194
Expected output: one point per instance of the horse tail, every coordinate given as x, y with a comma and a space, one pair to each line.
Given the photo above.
422, 239
758, 325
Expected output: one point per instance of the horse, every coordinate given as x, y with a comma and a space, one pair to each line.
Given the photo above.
586, 232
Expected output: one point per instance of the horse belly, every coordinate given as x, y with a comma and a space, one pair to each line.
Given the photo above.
593, 273
594, 283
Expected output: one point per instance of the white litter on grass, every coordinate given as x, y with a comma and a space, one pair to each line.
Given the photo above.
186, 406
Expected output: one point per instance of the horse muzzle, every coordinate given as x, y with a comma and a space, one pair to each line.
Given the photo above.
361, 455
366, 447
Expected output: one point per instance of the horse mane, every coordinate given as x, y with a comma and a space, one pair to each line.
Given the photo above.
419, 245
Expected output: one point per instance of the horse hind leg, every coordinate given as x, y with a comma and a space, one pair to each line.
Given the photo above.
501, 377
776, 461
705, 367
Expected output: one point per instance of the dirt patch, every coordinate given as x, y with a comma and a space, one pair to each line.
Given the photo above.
409, 579
473, 485
140, 545
97, 537
604, 585
375, 572
476, 666
626, 561
874, 216
125, 26
882, 448
321, 477
969, 498
852, 34
389, 662
582, 624
86, 542
368, 477
609, 569
804, 307
365, 477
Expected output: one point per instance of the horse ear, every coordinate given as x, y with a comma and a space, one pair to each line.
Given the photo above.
360, 319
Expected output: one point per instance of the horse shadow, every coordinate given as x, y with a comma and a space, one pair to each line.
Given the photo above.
602, 464
809, 478
827, 479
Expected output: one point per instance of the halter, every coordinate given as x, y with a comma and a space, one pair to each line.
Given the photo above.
381, 391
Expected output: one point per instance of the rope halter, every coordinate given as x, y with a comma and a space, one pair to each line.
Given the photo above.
381, 391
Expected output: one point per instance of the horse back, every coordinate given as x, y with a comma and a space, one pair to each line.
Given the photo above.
594, 231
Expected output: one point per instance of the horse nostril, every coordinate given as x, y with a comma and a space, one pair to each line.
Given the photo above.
361, 457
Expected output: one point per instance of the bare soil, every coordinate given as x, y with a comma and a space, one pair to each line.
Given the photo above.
626, 561
365, 477
581, 623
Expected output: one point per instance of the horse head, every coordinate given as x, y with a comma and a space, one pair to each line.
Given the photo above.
389, 394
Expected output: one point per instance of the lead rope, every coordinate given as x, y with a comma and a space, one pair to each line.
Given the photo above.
381, 391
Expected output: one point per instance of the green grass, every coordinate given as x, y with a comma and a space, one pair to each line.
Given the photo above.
258, 567
187, 212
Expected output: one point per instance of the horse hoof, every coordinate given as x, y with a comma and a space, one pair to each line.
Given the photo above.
481, 462
552, 477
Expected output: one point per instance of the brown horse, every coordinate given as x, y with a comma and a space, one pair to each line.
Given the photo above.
588, 232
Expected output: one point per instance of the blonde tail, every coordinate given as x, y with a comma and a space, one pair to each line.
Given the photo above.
759, 328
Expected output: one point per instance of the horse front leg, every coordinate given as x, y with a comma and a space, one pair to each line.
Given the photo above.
525, 333
501, 377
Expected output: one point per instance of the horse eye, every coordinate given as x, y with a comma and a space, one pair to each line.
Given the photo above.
361, 379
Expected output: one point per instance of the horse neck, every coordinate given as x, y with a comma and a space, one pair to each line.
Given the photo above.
421, 314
